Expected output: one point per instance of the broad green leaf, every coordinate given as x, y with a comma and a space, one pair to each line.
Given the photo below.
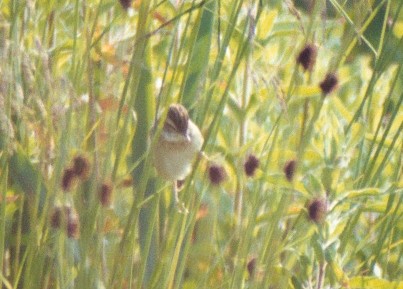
357, 132
371, 136
306, 91
368, 282
398, 29
367, 192
341, 109
265, 24
199, 55
26, 177
313, 184
337, 271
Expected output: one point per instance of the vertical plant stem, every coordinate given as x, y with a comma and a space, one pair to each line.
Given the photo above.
3, 186
321, 275
242, 138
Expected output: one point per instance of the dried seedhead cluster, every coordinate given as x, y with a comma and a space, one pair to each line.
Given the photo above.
66, 217
80, 170
307, 57
251, 164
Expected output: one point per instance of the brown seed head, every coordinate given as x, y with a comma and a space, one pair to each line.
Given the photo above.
81, 167
178, 117
317, 209
66, 216
307, 57
289, 169
68, 179
329, 84
73, 225
56, 217
251, 267
216, 174
251, 164
105, 194
126, 4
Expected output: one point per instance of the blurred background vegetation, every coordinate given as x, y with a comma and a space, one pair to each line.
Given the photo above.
300, 105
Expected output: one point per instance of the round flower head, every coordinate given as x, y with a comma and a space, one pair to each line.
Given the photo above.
317, 209
216, 174
250, 166
289, 169
68, 179
81, 167
105, 194
329, 84
307, 57
126, 4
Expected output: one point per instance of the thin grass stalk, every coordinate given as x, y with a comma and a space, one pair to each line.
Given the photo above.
142, 100
150, 247
16, 267
19, 269
369, 90
273, 247
376, 73
213, 126
370, 167
178, 49
176, 18
144, 116
245, 244
220, 60
188, 92
375, 177
309, 131
145, 108
187, 244
384, 26
75, 34
321, 276
4, 188
390, 223
267, 250
160, 98
177, 251
198, 53
363, 28
345, 15
5, 110
89, 243
176, 243
317, 8
218, 40
388, 98
245, 96
212, 130
132, 79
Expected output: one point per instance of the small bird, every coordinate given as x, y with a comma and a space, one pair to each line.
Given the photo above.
179, 143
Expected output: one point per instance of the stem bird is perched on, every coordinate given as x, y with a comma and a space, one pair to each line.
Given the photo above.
179, 143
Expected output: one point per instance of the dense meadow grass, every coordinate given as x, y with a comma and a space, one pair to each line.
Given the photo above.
300, 106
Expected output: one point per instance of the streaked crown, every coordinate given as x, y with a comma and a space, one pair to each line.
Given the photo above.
177, 118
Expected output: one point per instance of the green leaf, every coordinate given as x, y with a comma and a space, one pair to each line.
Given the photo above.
373, 283
266, 23
367, 192
199, 55
26, 177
